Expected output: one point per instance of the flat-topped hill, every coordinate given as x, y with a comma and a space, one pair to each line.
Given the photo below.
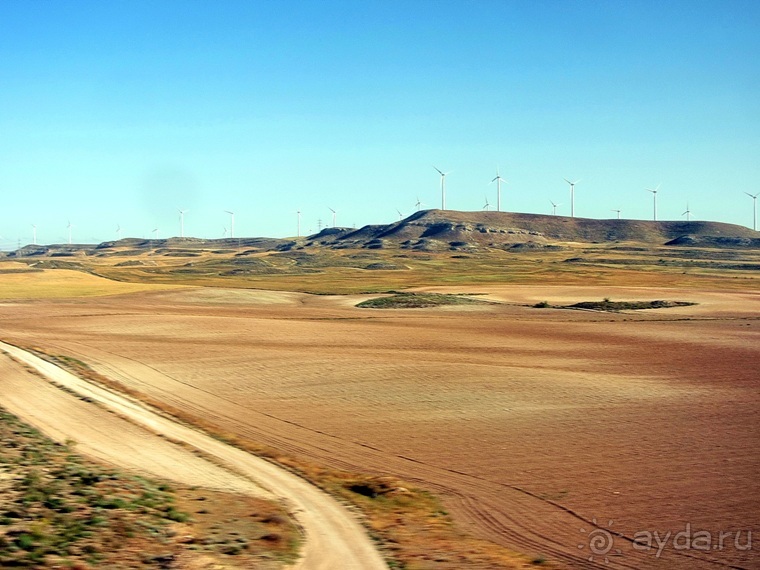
426, 229
435, 230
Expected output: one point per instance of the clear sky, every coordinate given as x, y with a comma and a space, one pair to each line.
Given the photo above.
122, 112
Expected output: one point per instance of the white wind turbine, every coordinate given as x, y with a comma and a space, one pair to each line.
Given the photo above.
232, 223
224, 232
618, 213
654, 199
298, 223
687, 213
400, 215
572, 196
155, 233
334, 214
498, 179
118, 232
487, 207
754, 209
34, 234
443, 187
69, 226
554, 207
182, 222
418, 204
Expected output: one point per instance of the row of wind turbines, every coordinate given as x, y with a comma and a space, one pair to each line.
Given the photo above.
499, 179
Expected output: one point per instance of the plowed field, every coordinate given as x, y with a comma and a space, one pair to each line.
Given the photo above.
534, 425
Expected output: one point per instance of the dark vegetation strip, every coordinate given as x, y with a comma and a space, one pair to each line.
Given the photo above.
615, 306
418, 301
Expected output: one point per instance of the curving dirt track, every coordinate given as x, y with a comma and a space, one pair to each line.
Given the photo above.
532, 424
333, 538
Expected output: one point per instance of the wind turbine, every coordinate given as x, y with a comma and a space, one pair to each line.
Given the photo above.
443, 187
754, 209
232, 223
419, 204
400, 215
182, 222
498, 180
687, 213
334, 213
487, 207
554, 208
69, 228
654, 198
155, 233
572, 196
618, 213
224, 233
34, 234
298, 228
118, 232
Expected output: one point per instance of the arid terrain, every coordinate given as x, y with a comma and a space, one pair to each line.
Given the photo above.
543, 430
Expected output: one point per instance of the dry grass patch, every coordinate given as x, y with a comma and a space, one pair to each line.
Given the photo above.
59, 510
65, 283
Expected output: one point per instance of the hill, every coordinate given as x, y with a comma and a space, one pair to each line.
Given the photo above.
438, 229
430, 231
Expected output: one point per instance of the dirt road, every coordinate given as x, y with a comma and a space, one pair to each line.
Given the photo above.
334, 539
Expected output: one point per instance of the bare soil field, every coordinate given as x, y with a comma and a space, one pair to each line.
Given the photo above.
542, 429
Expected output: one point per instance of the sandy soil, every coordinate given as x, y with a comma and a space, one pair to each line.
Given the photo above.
531, 424
333, 538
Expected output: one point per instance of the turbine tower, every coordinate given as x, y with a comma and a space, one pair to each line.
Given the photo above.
334, 213
443, 187
498, 180
232, 223
298, 223
182, 222
754, 209
69, 228
654, 199
34, 234
687, 213
618, 213
572, 196
554, 207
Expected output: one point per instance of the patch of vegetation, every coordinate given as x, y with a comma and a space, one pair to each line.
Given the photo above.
418, 301
615, 306
59, 510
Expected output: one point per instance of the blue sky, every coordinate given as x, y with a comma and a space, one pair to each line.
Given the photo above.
121, 112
